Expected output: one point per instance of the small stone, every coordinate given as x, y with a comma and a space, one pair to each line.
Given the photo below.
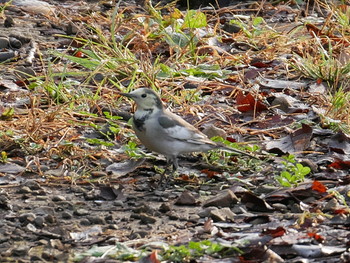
194, 218
295, 208
44, 210
33, 185
24, 190
81, 212
39, 221
146, 219
138, 235
331, 205
85, 222
144, 208
20, 251
186, 198
26, 218
174, 216
67, 215
96, 220
15, 43
280, 207
22, 38
222, 215
4, 42
231, 28
224, 199
118, 203
207, 211
50, 219
98, 174
7, 55
58, 198
43, 242
9, 22
56, 243
113, 226
164, 208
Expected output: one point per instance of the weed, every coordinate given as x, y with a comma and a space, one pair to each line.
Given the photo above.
3, 157
3, 8
338, 110
224, 157
293, 172
193, 250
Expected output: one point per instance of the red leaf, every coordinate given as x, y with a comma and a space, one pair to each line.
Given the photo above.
209, 173
79, 54
249, 103
341, 211
319, 187
317, 237
340, 165
278, 232
230, 139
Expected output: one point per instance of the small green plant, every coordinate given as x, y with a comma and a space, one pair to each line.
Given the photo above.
252, 30
3, 7
132, 150
7, 114
325, 66
3, 157
293, 173
193, 250
224, 157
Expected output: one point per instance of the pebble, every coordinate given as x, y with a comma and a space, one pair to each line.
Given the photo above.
26, 218
146, 219
24, 190
44, 210
96, 220
81, 212
39, 221
4, 42
33, 185
50, 219
225, 198
9, 22
85, 222
206, 211
57, 198
118, 203
222, 215
138, 235
20, 251
7, 55
186, 198
15, 43
67, 215
164, 208
21, 38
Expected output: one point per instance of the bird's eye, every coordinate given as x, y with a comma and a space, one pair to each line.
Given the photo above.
144, 95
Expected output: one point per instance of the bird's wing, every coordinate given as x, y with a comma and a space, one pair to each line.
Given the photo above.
177, 128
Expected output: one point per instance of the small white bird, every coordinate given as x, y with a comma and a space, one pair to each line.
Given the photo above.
164, 132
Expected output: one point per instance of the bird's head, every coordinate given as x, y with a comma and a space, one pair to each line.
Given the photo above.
145, 99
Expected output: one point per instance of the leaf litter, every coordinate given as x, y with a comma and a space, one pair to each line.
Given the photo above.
271, 78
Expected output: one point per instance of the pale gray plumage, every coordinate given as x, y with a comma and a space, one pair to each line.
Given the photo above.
164, 132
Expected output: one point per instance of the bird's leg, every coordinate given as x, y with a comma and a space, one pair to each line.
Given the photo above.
171, 161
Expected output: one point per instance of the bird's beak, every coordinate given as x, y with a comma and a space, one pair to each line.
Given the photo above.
128, 95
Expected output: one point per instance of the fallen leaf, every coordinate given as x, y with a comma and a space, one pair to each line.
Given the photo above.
319, 187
